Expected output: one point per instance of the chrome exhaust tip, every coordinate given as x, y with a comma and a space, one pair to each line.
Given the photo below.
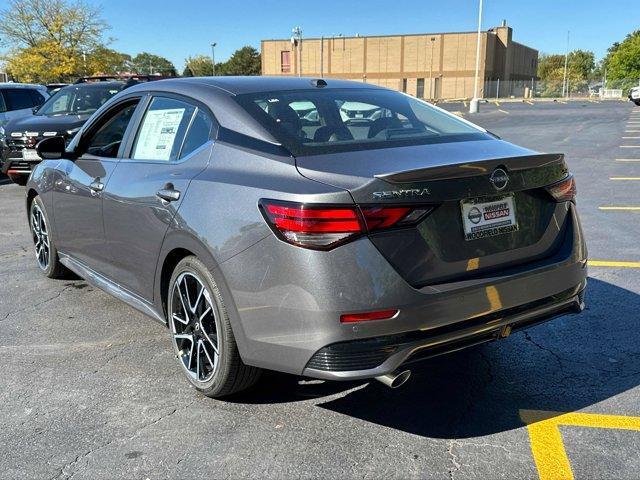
394, 379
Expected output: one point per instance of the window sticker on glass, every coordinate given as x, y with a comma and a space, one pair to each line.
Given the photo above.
158, 134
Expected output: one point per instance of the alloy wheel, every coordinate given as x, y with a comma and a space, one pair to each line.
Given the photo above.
193, 324
40, 237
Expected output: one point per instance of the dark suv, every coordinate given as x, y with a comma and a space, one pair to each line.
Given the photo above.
62, 115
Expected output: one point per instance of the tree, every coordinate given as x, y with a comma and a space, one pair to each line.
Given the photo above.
147, 64
105, 61
47, 37
244, 61
580, 65
198, 66
623, 63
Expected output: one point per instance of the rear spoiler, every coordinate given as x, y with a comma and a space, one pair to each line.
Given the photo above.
445, 171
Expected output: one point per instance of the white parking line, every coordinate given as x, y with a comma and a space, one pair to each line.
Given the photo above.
630, 137
627, 159
629, 146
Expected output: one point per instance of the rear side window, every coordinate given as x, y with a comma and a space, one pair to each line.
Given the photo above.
18, 98
198, 134
163, 130
311, 122
3, 107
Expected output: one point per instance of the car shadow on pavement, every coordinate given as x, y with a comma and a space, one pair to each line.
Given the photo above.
567, 364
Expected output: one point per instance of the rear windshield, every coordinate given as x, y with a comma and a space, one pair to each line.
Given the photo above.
78, 100
310, 122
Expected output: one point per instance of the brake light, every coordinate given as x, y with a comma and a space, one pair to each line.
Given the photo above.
366, 316
563, 191
323, 227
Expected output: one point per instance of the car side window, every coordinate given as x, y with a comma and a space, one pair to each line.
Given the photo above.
106, 140
18, 99
37, 98
3, 107
162, 130
198, 134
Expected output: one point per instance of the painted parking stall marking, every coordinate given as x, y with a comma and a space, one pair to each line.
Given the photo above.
547, 446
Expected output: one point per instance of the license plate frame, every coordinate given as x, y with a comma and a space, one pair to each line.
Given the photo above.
488, 217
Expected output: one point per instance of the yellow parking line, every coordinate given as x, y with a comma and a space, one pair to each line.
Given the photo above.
621, 208
625, 178
503, 111
612, 263
626, 138
547, 448
627, 159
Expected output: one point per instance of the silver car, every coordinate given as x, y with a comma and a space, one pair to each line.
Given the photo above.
320, 248
18, 100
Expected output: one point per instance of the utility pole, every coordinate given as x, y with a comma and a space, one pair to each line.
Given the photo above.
474, 105
565, 90
213, 58
433, 40
297, 40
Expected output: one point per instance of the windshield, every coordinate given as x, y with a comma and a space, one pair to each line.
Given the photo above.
310, 122
78, 100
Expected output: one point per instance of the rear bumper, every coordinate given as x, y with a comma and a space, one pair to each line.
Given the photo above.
287, 303
374, 357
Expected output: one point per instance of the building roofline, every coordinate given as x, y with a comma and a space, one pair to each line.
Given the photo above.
377, 36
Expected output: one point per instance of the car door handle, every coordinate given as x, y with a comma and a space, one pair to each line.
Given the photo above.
168, 195
96, 186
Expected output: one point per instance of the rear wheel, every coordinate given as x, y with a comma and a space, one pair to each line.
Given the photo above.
202, 337
46, 252
19, 179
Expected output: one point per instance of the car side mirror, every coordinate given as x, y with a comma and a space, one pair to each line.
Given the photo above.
35, 109
52, 148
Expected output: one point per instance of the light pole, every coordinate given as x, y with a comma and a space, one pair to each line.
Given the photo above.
433, 40
213, 58
297, 37
474, 105
564, 78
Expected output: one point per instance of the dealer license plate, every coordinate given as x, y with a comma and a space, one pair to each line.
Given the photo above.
483, 218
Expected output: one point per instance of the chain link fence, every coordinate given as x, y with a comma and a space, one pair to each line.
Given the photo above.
533, 88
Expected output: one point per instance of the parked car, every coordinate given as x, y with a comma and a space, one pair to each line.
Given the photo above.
62, 115
205, 204
17, 100
634, 95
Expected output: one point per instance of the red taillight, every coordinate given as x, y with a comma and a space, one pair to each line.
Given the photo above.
323, 227
366, 316
563, 191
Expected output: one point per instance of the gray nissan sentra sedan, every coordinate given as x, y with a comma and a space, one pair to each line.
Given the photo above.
272, 225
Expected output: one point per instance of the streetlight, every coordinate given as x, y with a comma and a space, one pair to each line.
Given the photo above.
296, 39
474, 105
433, 40
213, 57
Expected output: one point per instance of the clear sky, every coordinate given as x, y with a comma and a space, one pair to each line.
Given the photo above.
179, 28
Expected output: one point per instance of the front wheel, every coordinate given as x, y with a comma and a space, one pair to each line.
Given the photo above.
637, 102
202, 337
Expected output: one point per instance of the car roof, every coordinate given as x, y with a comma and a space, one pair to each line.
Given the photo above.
21, 85
257, 84
113, 84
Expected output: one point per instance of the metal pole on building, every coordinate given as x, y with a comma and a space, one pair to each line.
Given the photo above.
474, 105
322, 56
433, 40
566, 60
498, 89
213, 58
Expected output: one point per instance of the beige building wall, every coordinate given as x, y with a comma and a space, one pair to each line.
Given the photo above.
433, 66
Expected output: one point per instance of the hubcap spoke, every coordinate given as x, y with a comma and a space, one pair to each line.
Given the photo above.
40, 237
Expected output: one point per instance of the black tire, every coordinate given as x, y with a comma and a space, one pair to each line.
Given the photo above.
19, 179
228, 374
52, 268
637, 103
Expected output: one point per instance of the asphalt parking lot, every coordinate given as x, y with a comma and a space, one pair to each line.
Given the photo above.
89, 388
